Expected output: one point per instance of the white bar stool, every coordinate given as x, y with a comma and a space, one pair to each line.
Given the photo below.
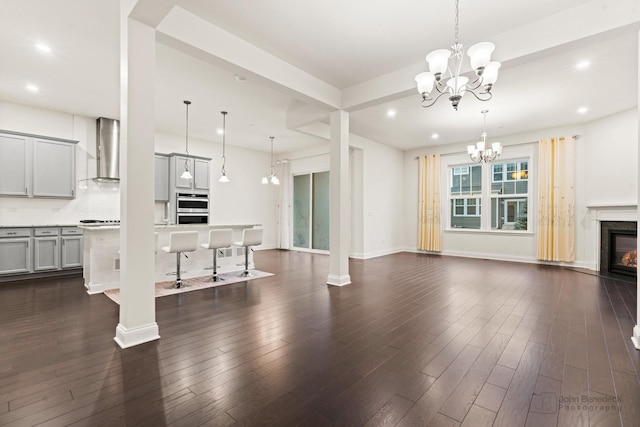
218, 239
250, 237
180, 242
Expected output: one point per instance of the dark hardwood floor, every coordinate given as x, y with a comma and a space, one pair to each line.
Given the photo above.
415, 340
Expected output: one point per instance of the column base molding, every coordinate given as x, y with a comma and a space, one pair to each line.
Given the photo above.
130, 337
338, 280
636, 337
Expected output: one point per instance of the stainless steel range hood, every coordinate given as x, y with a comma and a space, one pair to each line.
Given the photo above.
108, 150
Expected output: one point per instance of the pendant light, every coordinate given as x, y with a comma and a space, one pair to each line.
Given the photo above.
272, 176
223, 177
186, 174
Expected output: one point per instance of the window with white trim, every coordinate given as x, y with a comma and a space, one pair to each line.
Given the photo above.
506, 191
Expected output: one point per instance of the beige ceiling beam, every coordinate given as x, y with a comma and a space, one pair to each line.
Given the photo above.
151, 12
193, 35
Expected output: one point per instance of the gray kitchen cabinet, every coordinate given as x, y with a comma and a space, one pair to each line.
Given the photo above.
54, 168
14, 165
162, 178
199, 168
15, 250
180, 163
46, 254
71, 247
201, 174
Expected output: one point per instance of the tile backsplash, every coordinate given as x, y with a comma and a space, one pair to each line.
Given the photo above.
93, 201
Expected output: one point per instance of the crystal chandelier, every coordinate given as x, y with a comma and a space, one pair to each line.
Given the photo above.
457, 85
271, 178
481, 153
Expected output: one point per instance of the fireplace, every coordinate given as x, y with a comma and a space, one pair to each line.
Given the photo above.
618, 249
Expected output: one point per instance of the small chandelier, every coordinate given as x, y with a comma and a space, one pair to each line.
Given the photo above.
223, 177
186, 174
271, 178
457, 85
480, 153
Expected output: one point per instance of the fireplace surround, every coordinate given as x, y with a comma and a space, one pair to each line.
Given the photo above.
618, 249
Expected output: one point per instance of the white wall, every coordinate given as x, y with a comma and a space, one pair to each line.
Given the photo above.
243, 200
376, 201
382, 197
602, 177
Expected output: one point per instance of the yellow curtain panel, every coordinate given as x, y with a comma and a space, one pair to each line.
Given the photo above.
556, 200
429, 223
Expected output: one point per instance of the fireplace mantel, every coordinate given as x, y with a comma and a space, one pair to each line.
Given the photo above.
614, 212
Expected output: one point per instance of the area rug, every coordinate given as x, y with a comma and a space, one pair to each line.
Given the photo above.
194, 284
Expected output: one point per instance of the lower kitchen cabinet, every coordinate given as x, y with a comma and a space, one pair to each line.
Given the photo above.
40, 249
15, 250
71, 251
45, 254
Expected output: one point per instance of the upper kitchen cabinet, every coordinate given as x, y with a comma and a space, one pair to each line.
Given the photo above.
198, 167
201, 174
162, 178
14, 165
54, 166
36, 166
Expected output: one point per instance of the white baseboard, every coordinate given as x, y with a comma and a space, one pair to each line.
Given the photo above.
579, 264
130, 337
369, 255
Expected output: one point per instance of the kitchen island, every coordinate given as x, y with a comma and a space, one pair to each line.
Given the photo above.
101, 268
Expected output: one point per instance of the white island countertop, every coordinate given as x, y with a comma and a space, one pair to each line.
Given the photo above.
101, 269
106, 227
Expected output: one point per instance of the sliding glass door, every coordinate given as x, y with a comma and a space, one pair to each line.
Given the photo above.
311, 211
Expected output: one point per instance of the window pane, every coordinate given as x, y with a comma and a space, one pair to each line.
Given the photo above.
320, 235
511, 171
509, 188
476, 180
459, 220
497, 172
509, 213
301, 210
466, 180
455, 183
522, 187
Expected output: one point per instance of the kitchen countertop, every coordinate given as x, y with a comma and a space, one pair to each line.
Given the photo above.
103, 227
39, 225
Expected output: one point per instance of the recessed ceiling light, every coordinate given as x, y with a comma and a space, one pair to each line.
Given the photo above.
219, 131
583, 64
582, 110
391, 113
43, 48
435, 136
32, 88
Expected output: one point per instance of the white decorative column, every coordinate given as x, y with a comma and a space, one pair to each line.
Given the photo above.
137, 120
636, 330
340, 235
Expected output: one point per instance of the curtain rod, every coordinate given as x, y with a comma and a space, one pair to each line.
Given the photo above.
510, 145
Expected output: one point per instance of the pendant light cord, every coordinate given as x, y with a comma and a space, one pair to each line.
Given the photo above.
272, 154
186, 143
224, 134
457, 24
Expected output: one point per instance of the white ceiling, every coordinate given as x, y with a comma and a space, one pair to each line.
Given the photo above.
343, 44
